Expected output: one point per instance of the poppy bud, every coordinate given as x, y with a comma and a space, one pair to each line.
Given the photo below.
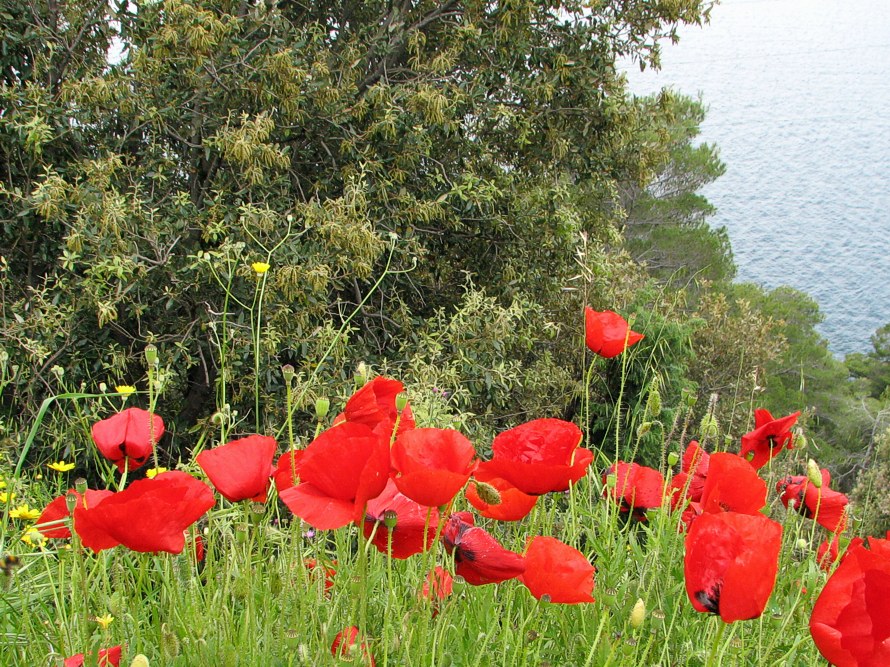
814, 474
169, 643
800, 440
643, 429
80, 485
151, 355
103, 387
287, 371
390, 519
611, 480
322, 405
638, 614
802, 543
653, 402
361, 375
688, 397
139, 661
673, 457
488, 493
401, 401
708, 426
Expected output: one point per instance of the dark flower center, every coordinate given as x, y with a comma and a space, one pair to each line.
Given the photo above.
710, 600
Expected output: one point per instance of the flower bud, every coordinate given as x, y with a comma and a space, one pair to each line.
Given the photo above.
80, 485
653, 402
708, 426
322, 405
673, 457
611, 480
802, 543
643, 429
489, 494
361, 375
638, 613
139, 661
390, 519
401, 401
814, 474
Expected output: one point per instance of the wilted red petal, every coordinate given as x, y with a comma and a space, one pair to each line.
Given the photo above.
731, 564
850, 623
149, 515
768, 438
607, 334
513, 506
432, 464
58, 510
478, 557
128, 438
824, 505
558, 571
732, 486
539, 456
240, 469
438, 585
413, 522
108, 657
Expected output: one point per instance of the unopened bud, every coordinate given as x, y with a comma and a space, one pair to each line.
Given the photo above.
688, 397
80, 485
489, 494
673, 457
814, 474
322, 405
708, 426
653, 402
802, 543
638, 614
401, 401
643, 429
361, 375
139, 661
151, 355
390, 519
611, 480
800, 440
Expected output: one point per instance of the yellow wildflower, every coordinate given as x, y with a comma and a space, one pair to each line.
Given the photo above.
60, 466
6, 497
125, 389
154, 472
104, 620
24, 512
260, 267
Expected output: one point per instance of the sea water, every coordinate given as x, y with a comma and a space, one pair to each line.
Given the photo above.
798, 98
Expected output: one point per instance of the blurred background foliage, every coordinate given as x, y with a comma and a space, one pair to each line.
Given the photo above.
439, 188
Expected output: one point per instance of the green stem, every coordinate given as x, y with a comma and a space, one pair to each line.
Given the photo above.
715, 647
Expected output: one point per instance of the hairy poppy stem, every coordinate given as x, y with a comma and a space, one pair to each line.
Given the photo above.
716, 645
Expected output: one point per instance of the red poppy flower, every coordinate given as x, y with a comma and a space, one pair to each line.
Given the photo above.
607, 334
287, 470
108, 657
768, 437
850, 622
827, 507
731, 564
689, 484
412, 521
149, 515
240, 469
557, 571
478, 557
374, 405
128, 438
349, 645
438, 585
828, 552
539, 456
512, 504
432, 464
57, 510
637, 488
732, 486
340, 471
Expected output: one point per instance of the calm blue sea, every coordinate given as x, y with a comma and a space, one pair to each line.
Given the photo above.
798, 93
